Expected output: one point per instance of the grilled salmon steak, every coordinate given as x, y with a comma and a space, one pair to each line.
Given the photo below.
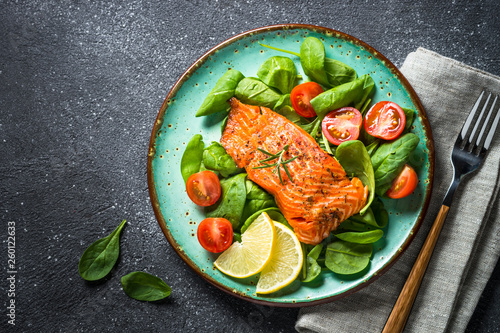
319, 195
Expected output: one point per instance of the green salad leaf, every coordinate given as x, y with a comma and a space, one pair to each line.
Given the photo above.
224, 89
145, 287
257, 199
390, 158
192, 157
232, 201
278, 72
312, 59
355, 160
255, 92
347, 258
215, 158
365, 237
101, 256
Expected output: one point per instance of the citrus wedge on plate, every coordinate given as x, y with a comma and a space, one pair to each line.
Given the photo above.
250, 256
285, 264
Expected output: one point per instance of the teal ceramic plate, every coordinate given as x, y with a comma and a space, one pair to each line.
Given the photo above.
176, 124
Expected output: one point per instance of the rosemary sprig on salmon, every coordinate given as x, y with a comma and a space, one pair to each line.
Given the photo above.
277, 165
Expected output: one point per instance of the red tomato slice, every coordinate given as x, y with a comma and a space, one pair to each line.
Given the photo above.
404, 184
301, 97
215, 234
385, 120
203, 188
342, 125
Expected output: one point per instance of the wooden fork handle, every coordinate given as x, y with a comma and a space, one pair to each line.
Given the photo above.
402, 308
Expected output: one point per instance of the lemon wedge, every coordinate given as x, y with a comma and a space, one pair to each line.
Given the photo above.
254, 252
285, 264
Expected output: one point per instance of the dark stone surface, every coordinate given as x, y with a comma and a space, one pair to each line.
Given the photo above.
80, 86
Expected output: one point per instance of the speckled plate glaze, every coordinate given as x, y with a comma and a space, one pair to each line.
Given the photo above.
176, 124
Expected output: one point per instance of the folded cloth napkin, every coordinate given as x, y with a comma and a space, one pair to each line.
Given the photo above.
468, 248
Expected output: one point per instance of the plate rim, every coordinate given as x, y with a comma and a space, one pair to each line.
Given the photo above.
198, 63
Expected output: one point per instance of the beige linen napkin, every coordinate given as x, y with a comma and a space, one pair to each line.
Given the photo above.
468, 247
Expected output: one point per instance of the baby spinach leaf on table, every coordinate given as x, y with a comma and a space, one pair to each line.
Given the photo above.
347, 258
145, 287
273, 212
192, 157
278, 72
101, 256
257, 199
312, 59
216, 158
224, 89
390, 158
338, 73
232, 200
354, 158
313, 269
255, 92
366, 237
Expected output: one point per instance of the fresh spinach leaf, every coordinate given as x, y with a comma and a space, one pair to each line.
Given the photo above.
223, 125
354, 158
368, 218
255, 92
236, 237
347, 258
278, 72
390, 158
353, 225
410, 116
313, 269
379, 212
101, 256
283, 102
372, 147
338, 73
366, 237
192, 157
233, 200
312, 59
342, 95
257, 199
145, 287
224, 89
273, 212
216, 158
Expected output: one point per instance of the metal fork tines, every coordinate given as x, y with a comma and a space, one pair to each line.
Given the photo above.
471, 146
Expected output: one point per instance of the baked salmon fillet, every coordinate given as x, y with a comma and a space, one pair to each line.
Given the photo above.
318, 197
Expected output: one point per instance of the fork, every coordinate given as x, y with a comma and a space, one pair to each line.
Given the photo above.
467, 155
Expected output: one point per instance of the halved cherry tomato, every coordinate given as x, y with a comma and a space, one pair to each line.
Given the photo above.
203, 188
301, 97
215, 234
404, 184
385, 120
342, 125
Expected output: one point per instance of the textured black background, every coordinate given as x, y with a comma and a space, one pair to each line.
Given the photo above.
80, 86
